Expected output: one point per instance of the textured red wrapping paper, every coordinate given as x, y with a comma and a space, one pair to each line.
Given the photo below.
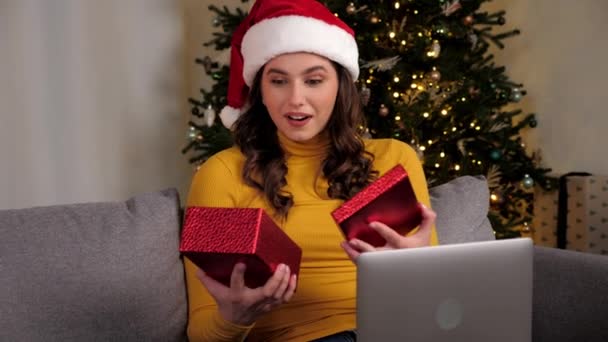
215, 239
390, 200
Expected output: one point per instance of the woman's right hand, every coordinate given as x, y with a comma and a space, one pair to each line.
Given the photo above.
242, 305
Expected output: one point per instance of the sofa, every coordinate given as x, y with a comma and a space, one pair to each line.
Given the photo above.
112, 271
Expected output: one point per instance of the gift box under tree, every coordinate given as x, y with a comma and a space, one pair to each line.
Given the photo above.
576, 216
544, 223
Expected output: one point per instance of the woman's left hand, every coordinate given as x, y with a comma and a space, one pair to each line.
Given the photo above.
393, 239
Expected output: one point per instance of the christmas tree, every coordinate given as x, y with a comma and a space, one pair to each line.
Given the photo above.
428, 79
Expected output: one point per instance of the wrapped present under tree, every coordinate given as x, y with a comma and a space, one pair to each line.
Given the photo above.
576, 216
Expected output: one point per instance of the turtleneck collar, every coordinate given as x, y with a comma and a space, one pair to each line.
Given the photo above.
315, 147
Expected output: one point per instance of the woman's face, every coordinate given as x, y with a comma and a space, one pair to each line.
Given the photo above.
299, 90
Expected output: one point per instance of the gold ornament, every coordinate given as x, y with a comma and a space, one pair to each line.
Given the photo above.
383, 111
350, 9
366, 93
374, 19
434, 49
435, 75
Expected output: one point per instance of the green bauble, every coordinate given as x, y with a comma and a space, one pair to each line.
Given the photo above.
495, 154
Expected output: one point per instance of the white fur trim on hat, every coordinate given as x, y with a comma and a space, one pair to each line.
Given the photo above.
228, 115
292, 33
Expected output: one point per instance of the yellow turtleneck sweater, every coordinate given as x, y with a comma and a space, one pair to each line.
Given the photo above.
325, 301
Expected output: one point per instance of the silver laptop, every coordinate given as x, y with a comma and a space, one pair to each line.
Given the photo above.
478, 291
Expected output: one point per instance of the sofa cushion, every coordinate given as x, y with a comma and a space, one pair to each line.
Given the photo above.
93, 271
462, 210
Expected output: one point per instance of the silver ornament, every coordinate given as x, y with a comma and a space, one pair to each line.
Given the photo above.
366, 94
209, 116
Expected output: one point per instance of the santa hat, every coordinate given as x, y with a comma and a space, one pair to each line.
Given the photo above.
275, 27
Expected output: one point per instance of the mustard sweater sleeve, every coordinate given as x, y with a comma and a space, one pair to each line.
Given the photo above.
410, 161
213, 185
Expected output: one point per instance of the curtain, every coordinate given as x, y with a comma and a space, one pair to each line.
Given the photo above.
92, 100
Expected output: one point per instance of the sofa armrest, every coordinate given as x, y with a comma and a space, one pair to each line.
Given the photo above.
570, 296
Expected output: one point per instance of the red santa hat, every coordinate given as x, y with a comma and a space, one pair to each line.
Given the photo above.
275, 27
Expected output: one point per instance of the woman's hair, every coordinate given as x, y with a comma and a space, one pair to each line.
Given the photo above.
347, 167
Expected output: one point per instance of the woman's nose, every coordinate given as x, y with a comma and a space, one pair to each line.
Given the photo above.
296, 95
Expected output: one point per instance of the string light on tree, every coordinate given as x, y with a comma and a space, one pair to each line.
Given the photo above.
497, 198
192, 133
526, 228
516, 94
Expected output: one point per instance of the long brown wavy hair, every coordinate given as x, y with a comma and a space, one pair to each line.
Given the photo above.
347, 166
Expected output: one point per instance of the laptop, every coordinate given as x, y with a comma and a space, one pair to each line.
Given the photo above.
477, 291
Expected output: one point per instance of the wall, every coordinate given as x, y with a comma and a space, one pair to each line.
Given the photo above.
559, 57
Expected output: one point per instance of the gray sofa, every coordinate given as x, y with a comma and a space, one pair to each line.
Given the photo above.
112, 271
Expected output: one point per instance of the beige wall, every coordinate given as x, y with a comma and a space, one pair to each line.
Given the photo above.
560, 57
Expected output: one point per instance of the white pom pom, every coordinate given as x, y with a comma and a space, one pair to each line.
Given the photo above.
228, 115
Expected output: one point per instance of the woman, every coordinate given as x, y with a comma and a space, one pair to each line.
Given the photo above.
298, 155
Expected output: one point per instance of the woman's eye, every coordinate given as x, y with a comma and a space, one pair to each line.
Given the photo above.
278, 81
314, 81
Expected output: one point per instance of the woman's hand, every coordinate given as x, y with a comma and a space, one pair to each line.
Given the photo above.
242, 305
421, 238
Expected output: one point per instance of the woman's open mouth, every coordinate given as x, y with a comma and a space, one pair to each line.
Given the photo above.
298, 119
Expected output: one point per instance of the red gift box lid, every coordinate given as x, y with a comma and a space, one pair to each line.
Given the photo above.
390, 199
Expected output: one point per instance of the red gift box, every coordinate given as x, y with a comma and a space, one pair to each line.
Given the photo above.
390, 200
215, 239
